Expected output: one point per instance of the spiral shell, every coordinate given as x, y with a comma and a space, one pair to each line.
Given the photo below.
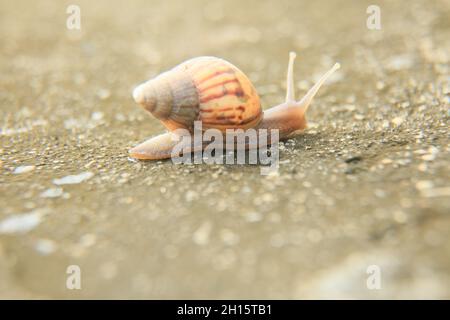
207, 89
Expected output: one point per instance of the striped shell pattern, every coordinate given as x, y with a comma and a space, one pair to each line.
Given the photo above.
208, 89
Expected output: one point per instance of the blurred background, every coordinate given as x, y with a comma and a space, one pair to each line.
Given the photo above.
368, 184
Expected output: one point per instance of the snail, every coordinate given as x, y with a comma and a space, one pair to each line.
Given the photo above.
215, 92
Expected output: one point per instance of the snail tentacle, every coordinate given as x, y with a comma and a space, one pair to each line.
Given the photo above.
290, 91
307, 99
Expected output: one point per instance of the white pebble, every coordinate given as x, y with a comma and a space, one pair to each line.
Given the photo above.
103, 94
45, 246
400, 62
74, 179
23, 169
52, 193
97, 116
191, 196
88, 240
398, 121
431, 155
20, 223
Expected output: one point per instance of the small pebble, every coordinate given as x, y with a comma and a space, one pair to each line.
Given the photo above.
21, 223
103, 94
398, 121
424, 184
436, 192
97, 116
23, 169
45, 246
353, 159
431, 154
88, 240
52, 193
74, 179
400, 62
191, 196
380, 85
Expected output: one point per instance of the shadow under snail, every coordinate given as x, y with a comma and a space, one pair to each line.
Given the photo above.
215, 92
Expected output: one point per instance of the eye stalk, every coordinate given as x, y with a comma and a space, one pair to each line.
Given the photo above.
290, 91
290, 86
289, 117
307, 99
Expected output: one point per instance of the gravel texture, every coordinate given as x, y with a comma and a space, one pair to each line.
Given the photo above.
367, 184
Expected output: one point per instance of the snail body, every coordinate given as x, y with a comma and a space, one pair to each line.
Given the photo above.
220, 96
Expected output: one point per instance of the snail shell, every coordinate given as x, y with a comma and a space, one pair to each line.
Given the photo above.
207, 89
